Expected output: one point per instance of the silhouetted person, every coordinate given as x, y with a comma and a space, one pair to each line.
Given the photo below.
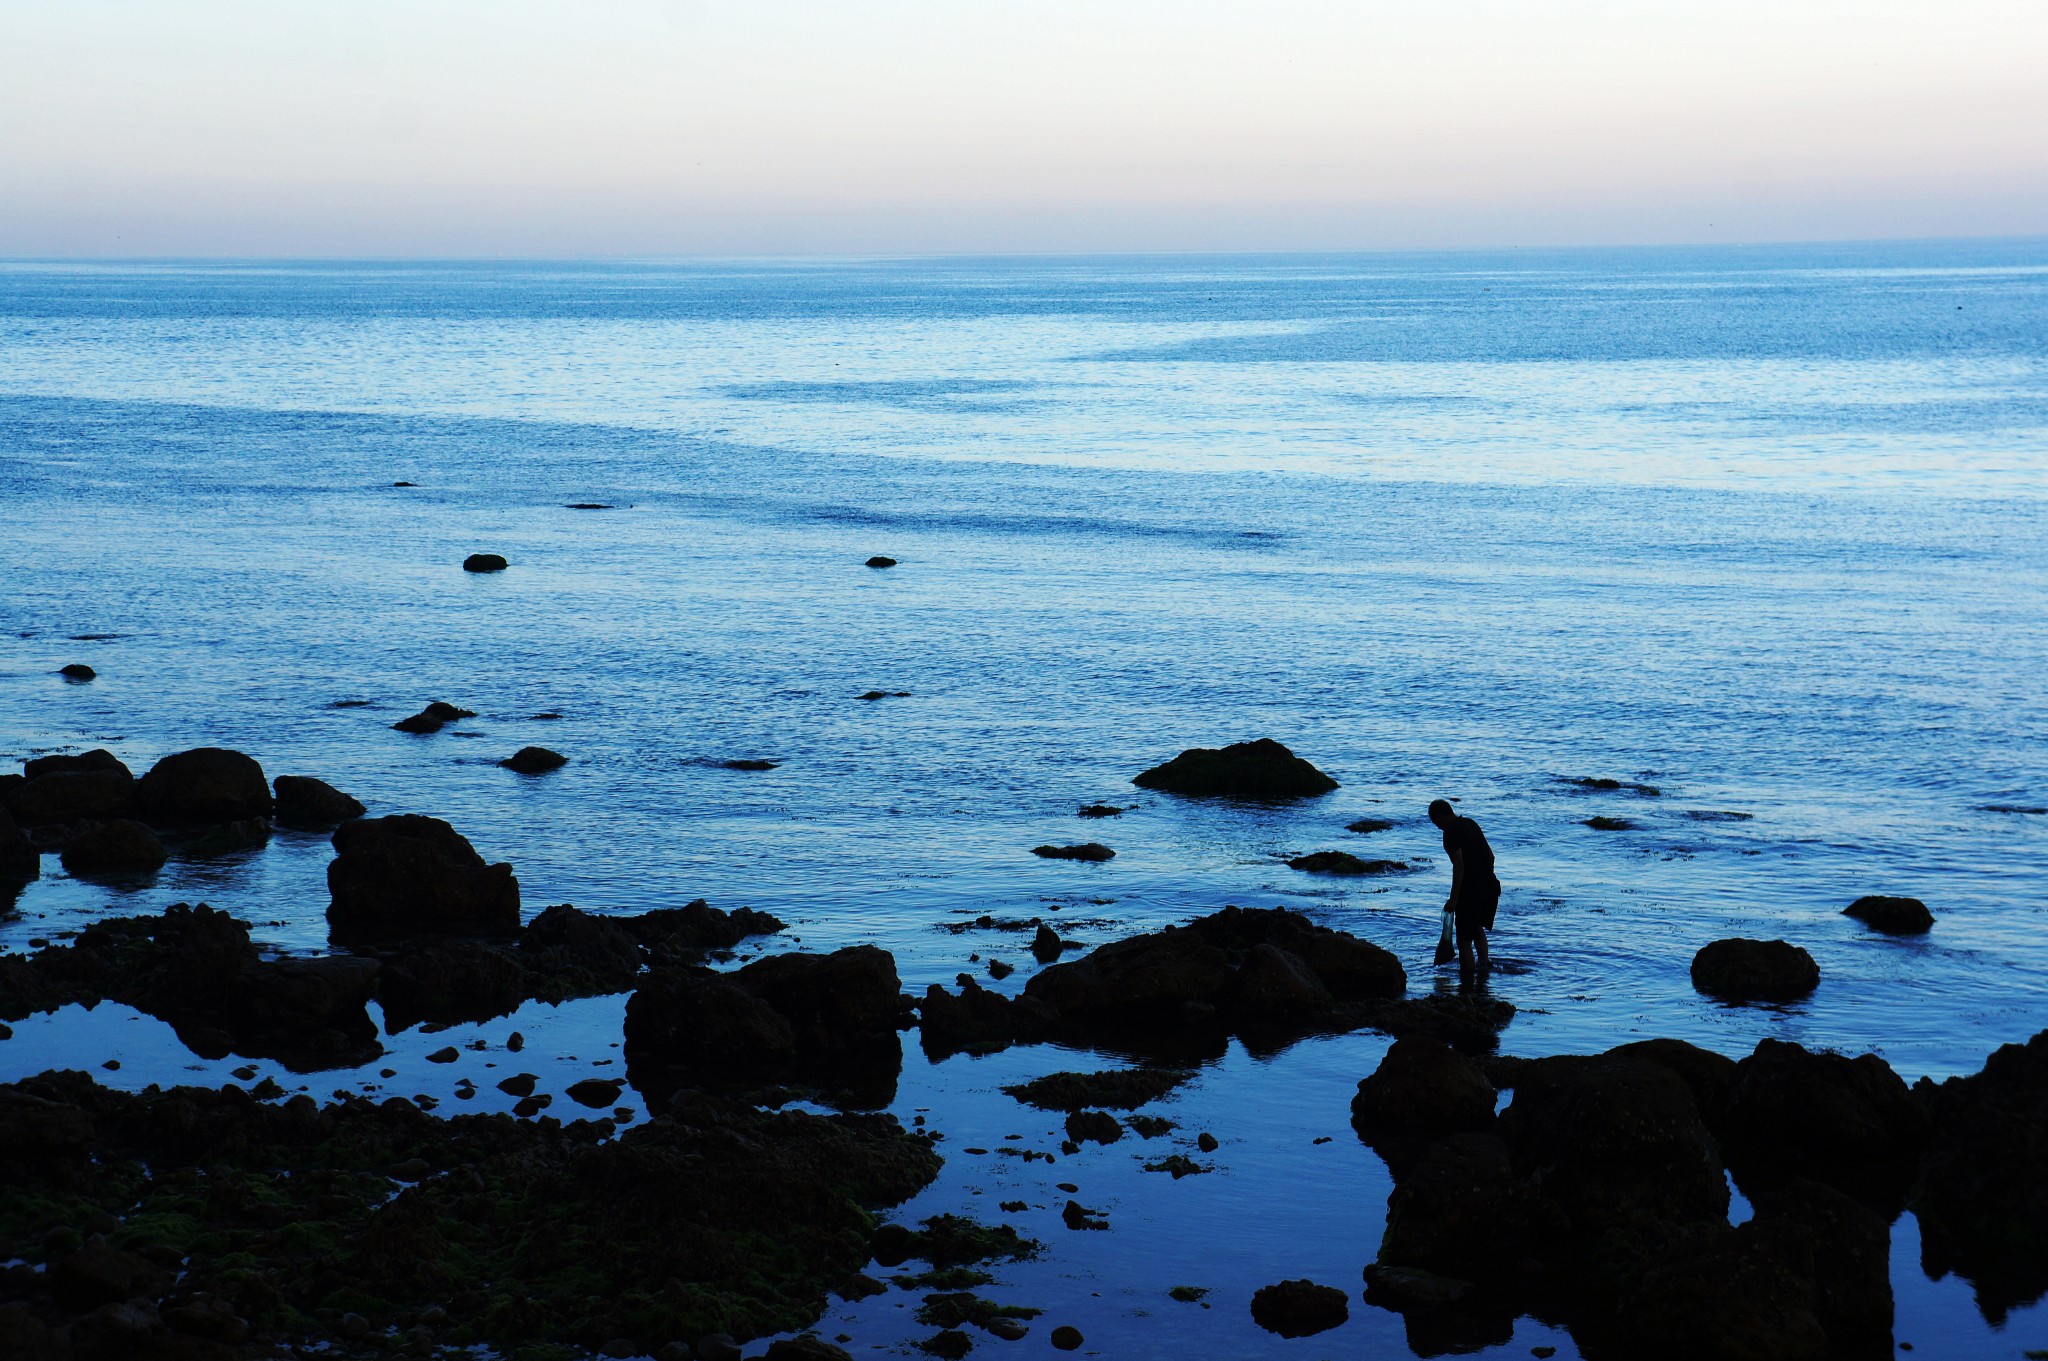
1475, 892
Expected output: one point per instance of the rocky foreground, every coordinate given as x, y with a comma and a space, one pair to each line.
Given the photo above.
219, 1224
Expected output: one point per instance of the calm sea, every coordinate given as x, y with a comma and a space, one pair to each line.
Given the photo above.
1766, 529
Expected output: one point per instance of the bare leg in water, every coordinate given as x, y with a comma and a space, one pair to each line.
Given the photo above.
1471, 941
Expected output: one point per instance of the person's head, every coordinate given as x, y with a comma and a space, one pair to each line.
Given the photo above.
1441, 812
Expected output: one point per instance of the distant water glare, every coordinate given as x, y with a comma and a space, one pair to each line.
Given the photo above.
1766, 530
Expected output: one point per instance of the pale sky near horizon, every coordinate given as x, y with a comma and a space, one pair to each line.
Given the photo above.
667, 127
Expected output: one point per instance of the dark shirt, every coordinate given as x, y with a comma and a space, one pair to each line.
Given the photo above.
1464, 835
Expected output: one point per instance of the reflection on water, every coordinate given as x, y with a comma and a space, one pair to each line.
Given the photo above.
1760, 530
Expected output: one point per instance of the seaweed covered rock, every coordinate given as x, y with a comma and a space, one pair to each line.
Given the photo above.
1982, 1193
1092, 851
827, 1019
1738, 970
296, 1203
312, 805
1893, 916
113, 849
408, 874
1422, 1091
1851, 1123
204, 785
1258, 771
1344, 863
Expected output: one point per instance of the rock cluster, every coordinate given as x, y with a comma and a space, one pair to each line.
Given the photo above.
1599, 1196
238, 1229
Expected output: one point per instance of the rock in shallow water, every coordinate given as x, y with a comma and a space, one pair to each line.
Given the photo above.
407, 874
77, 671
534, 761
1740, 970
111, 849
1893, 916
204, 785
312, 805
1257, 771
1299, 1308
1088, 850
1345, 863
484, 562
20, 861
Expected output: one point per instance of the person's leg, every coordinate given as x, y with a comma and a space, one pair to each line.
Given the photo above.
1479, 941
1467, 929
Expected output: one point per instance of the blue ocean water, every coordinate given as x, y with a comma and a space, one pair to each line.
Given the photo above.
1766, 529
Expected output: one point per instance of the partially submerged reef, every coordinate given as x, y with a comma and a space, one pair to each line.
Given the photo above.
213, 1224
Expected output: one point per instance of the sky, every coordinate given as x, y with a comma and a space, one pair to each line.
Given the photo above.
667, 127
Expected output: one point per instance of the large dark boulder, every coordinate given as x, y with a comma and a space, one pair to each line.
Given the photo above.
1717, 1295
1850, 1123
407, 874
1614, 1142
312, 1010
206, 784
1259, 771
1422, 1091
1739, 970
71, 796
484, 562
449, 980
1460, 1211
1711, 1076
977, 1020
20, 861
313, 805
1893, 916
826, 1020
114, 849
1982, 1194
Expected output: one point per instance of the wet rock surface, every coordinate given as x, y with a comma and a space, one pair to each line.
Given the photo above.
408, 874
1981, 1194
1268, 975
283, 1225
70, 793
1257, 771
1739, 970
484, 562
1345, 863
204, 785
312, 805
828, 1020
1893, 916
1299, 1308
113, 849
1087, 850
20, 861
534, 761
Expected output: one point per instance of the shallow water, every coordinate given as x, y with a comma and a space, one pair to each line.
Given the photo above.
1764, 529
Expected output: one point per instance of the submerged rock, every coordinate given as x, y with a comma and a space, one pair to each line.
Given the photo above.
484, 562
534, 761
1893, 916
312, 805
120, 847
1740, 970
1101, 810
410, 874
436, 716
77, 671
880, 561
1087, 850
1261, 770
1299, 1308
204, 785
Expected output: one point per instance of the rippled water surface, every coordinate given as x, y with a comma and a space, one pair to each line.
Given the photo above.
1763, 529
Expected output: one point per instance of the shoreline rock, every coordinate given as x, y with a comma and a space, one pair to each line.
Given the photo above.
1739, 970
408, 874
1893, 916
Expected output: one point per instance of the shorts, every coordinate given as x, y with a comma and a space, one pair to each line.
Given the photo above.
1479, 910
